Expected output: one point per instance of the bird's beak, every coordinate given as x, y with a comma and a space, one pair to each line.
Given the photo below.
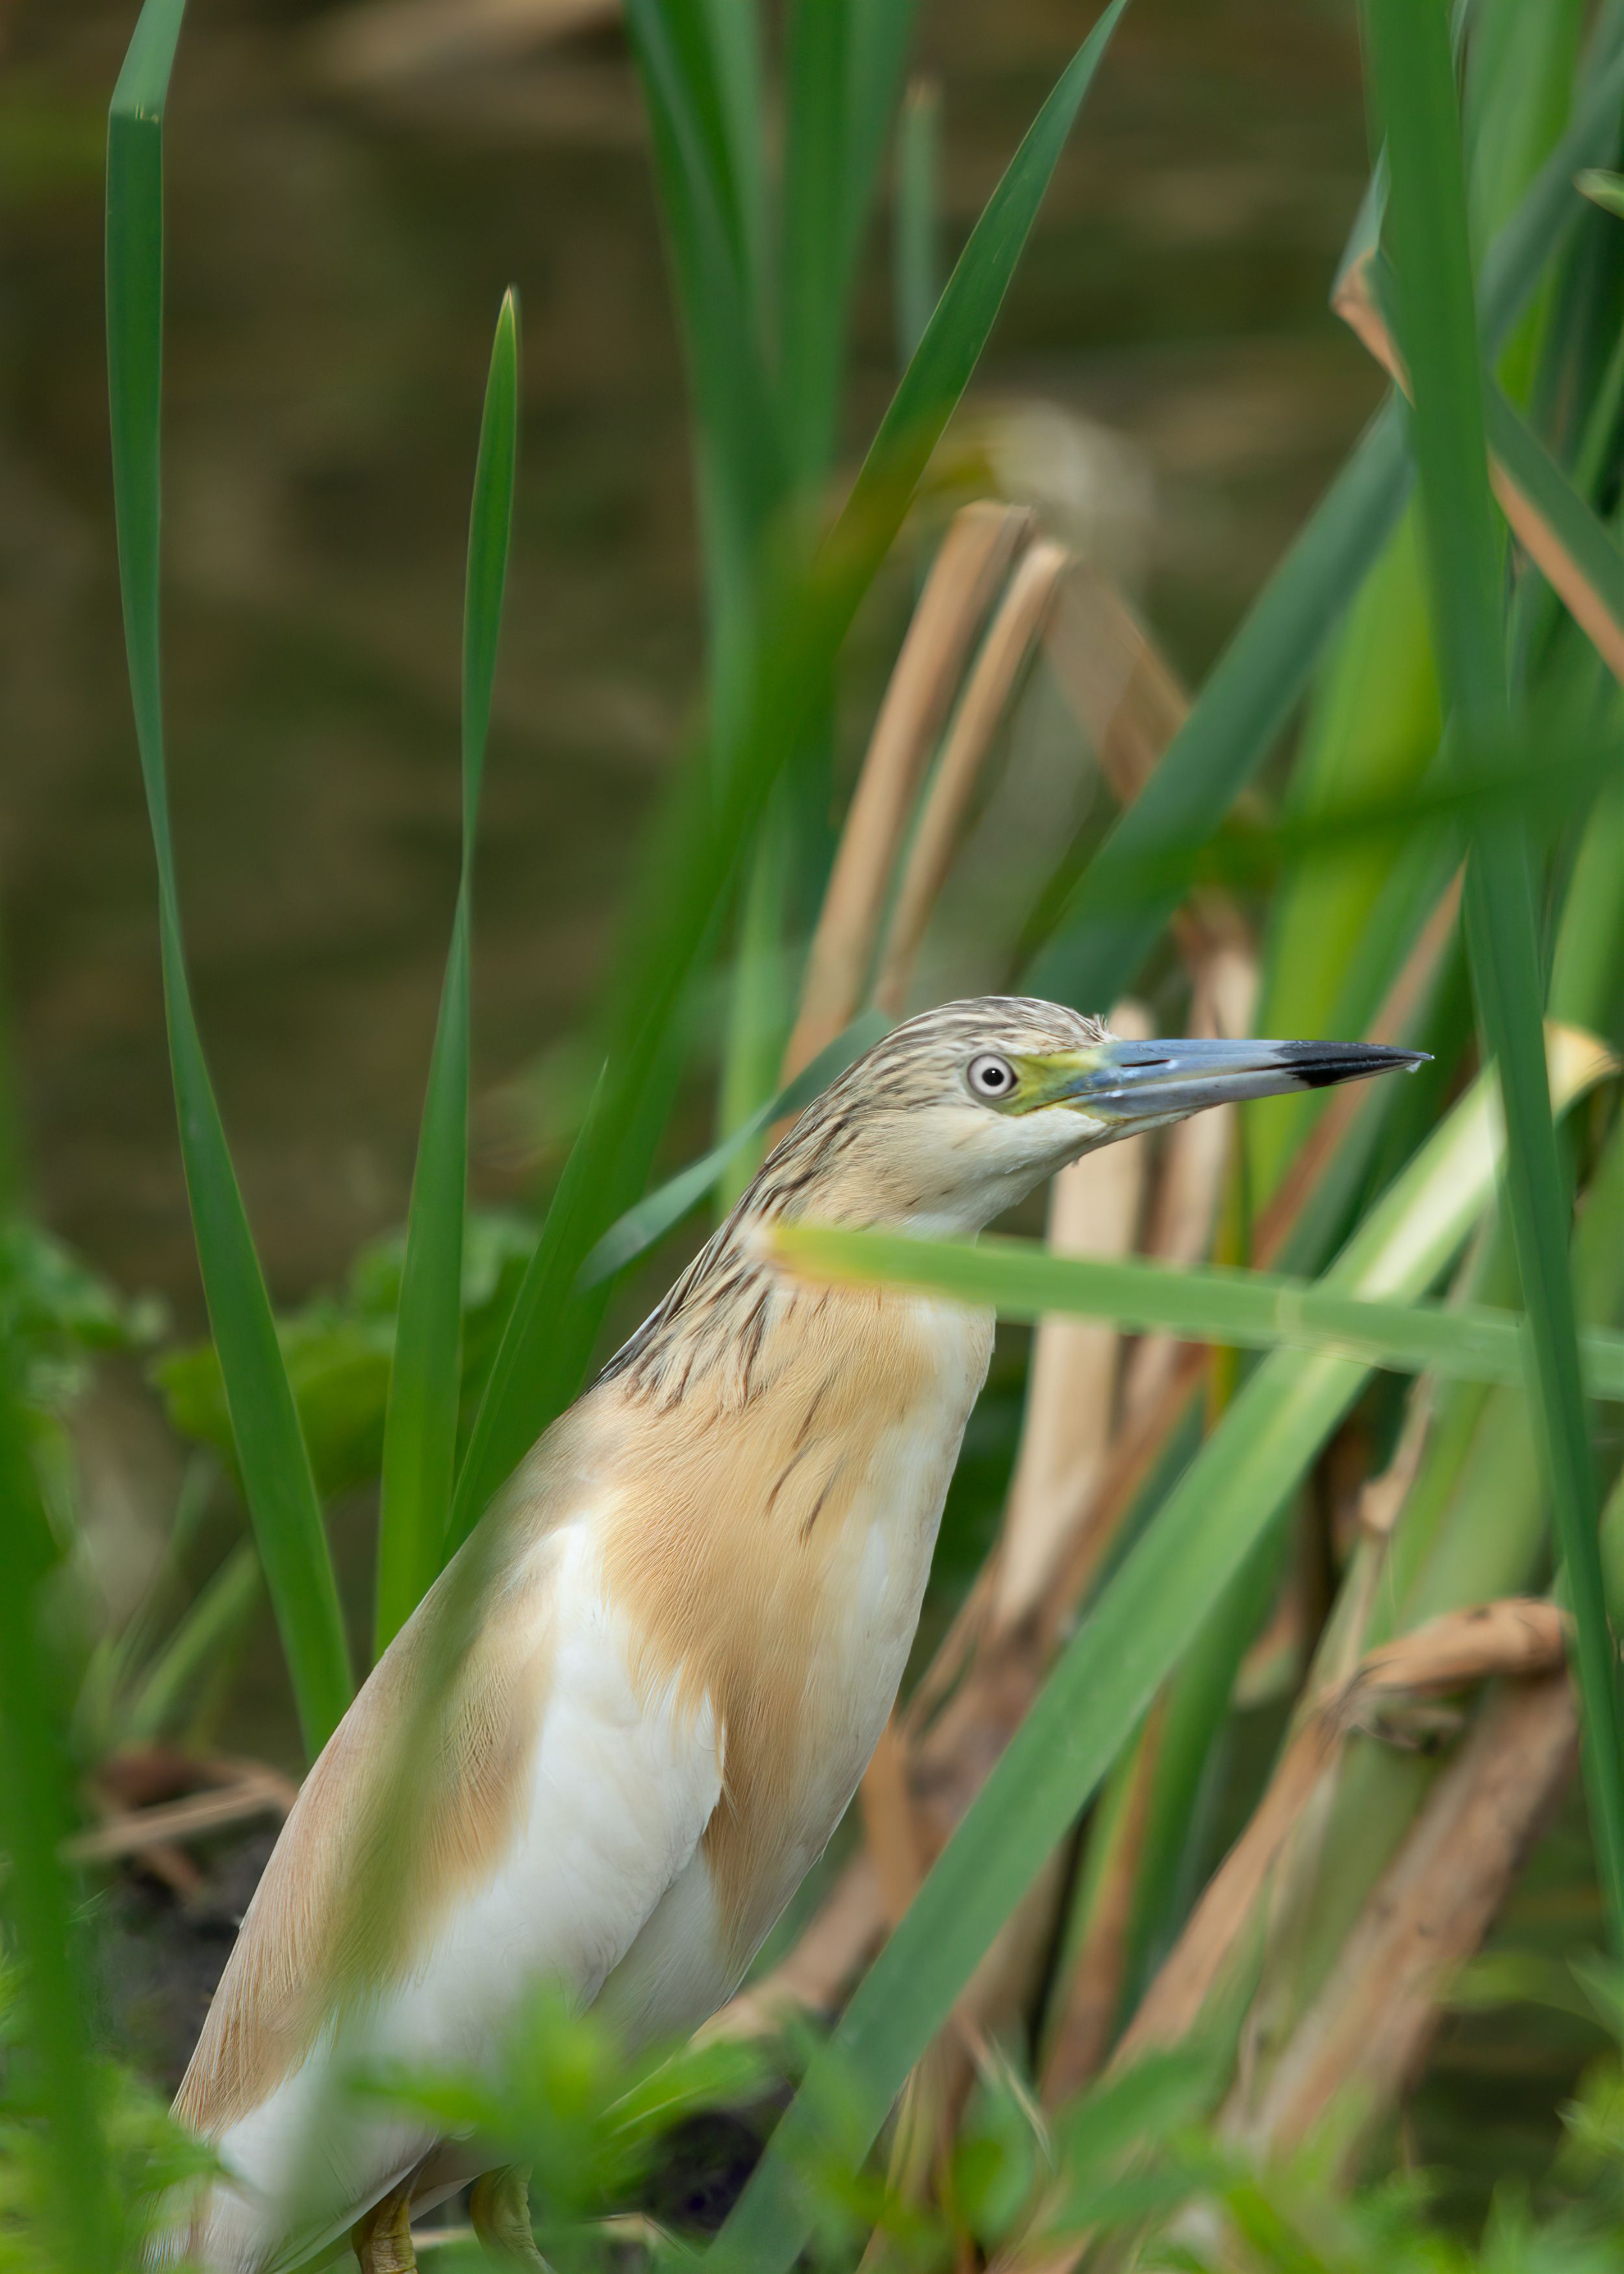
1131, 1083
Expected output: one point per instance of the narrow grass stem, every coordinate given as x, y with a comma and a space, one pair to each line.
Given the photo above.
1415, 87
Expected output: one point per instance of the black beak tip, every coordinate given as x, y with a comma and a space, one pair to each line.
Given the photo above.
1319, 1064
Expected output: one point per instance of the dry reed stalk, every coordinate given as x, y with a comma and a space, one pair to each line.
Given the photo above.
1127, 701
244, 1790
1088, 2013
1195, 1160
1517, 1637
1381, 1503
978, 1684
998, 1671
1005, 651
883, 1794
1129, 704
972, 559
1356, 304
1402, 1000
982, 541
892, 1836
1367, 2036
1093, 1209
813, 1978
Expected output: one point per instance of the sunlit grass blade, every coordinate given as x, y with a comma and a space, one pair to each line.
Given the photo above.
420, 1428
1426, 215
548, 1342
654, 1216
1108, 929
1103, 1684
271, 1454
1246, 1310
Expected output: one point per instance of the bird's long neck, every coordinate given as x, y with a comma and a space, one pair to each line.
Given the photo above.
786, 1449
718, 1320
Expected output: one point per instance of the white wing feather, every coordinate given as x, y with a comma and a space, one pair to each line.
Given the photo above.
620, 1788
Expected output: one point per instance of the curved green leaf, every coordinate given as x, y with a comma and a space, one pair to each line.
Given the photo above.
1244, 1310
271, 1455
420, 1428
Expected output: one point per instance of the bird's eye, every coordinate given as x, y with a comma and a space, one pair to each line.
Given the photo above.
990, 1076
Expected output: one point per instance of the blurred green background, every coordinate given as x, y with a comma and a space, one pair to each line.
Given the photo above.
341, 222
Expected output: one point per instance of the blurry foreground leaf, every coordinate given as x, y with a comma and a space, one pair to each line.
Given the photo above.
271, 1456
1603, 189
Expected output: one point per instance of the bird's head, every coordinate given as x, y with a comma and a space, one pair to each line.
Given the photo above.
960, 1112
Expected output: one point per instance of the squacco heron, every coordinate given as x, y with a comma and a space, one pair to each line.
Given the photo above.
696, 1598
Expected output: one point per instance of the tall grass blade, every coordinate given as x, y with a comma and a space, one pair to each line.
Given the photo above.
420, 1426
1103, 1685
548, 1341
1247, 1310
271, 1454
1105, 932
1426, 213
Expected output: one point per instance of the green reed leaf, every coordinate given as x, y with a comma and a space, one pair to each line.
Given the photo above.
420, 1425
1426, 216
1244, 1310
271, 1454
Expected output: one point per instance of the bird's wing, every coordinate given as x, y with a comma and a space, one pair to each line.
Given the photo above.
512, 1808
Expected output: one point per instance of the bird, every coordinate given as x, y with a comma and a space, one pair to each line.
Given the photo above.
622, 1726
